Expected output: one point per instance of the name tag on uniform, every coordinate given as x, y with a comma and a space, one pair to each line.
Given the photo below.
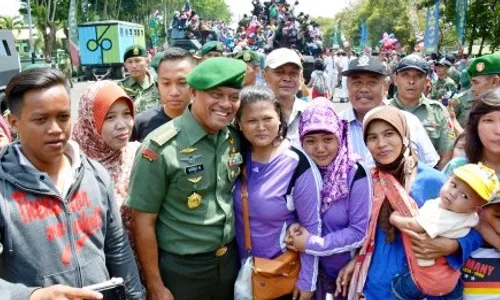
194, 169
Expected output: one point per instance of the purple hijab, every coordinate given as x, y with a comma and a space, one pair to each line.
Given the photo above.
320, 116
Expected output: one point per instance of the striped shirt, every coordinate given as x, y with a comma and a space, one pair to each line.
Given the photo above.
419, 139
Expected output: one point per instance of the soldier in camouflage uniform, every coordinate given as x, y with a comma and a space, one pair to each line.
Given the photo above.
453, 73
484, 75
443, 84
140, 84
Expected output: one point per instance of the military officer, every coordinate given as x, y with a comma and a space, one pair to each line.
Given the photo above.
443, 83
211, 49
484, 75
140, 85
180, 191
410, 79
252, 60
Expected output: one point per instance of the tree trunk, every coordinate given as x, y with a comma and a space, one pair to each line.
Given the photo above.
118, 9
105, 10
483, 39
472, 38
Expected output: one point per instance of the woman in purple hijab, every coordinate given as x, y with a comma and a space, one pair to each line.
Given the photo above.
345, 196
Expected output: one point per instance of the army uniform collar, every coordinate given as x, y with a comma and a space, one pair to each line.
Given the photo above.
194, 130
145, 84
400, 105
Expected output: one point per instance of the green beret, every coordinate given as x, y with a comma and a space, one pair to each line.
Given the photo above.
156, 60
212, 46
134, 51
248, 56
36, 66
485, 65
217, 71
465, 80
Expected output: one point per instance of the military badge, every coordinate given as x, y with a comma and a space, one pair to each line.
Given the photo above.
149, 155
188, 150
480, 67
136, 51
363, 61
195, 180
194, 200
190, 159
247, 57
235, 159
219, 47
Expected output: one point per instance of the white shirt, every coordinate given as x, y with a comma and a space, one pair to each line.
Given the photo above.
418, 137
437, 221
293, 122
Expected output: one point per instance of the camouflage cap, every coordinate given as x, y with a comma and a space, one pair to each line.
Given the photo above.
212, 46
248, 56
217, 71
134, 51
485, 65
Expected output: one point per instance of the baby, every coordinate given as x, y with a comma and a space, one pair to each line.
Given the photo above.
452, 215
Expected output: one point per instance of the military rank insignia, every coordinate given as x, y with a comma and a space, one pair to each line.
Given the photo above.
149, 155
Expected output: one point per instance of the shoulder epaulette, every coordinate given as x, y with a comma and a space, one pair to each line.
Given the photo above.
164, 134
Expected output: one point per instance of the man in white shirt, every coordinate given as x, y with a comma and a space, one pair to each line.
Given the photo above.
282, 74
367, 87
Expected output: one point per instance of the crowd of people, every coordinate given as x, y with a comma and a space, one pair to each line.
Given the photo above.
178, 180
271, 24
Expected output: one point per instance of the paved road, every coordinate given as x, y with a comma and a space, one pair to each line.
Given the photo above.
80, 87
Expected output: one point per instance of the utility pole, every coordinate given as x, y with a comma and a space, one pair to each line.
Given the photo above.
32, 45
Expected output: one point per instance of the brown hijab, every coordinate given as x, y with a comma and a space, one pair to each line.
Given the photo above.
404, 168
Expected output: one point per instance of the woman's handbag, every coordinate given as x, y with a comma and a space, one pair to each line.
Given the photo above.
271, 278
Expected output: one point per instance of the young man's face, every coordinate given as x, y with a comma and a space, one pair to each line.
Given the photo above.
137, 67
44, 124
172, 85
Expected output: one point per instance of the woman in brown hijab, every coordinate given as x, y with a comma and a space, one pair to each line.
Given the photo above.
397, 175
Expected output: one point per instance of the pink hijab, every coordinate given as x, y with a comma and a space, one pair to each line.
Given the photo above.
320, 116
86, 134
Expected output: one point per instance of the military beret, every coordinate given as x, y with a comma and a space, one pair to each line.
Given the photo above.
134, 51
366, 64
485, 65
156, 60
248, 56
212, 46
217, 71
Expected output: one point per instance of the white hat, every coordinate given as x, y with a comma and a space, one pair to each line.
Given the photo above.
282, 56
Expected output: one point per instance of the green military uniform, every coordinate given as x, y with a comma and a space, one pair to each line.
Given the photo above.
440, 87
484, 65
436, 120
144, 94
186, 176
462, 104
455, 75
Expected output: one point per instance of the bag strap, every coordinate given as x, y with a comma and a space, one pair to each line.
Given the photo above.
246, 216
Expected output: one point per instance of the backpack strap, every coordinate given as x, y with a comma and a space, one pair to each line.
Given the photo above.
302, 166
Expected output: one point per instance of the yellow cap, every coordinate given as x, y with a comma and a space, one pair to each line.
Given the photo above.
480, 178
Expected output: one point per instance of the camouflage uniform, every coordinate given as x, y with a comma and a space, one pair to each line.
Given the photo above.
454, 74
145, 94
440, 87
462, 105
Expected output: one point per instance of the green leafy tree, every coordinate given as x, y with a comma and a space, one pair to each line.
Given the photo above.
13, 23
327, 26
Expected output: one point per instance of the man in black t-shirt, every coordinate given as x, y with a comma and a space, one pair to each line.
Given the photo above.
172, 70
